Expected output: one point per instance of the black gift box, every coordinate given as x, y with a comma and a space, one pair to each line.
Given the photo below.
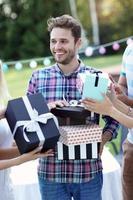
77, 152
71, 111
28, 109
74, 115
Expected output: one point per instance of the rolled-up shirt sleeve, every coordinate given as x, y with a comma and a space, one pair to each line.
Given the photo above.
111, 125
31, 89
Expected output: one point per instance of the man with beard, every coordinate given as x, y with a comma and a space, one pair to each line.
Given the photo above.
64, 179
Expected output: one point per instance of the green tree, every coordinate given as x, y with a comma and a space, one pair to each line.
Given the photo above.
125, 18
115, 19
3, 31
26, 32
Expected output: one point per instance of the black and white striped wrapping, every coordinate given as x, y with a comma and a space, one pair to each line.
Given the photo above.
77, 152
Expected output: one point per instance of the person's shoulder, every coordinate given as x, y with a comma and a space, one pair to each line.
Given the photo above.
92, 69
88, 68
44, 70
129, 49
130, 46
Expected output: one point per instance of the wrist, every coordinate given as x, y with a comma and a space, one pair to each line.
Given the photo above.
129, 111
106, 136
112, 111
16, 161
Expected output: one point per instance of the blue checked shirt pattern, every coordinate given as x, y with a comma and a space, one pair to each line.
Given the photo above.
54, 85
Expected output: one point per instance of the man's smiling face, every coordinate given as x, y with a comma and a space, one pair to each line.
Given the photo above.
63, 45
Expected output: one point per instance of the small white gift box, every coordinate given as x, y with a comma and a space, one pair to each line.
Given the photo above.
94, 85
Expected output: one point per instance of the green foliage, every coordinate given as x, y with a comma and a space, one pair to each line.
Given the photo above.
84, 16
24, 28
115, 19
3, 30
126, 17
23, 24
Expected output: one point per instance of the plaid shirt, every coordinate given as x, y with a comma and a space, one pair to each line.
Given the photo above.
54, 85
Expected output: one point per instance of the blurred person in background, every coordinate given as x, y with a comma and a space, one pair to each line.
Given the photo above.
126, 81
122, 110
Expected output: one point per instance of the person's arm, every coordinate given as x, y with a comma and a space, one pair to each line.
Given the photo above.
110, 130
121, 117
122, 107
111, 125
7, 153
2, 113
121, 90
24, 158
121, 112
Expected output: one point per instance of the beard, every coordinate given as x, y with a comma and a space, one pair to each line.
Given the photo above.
66, 60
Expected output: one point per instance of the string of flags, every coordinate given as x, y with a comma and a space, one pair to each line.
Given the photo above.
33, 63
102, 48
46, 61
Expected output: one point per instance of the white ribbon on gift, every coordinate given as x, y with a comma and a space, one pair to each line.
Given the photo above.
74, 103
32, 124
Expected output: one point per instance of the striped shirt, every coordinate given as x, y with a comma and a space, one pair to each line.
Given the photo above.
127, 72
54, 85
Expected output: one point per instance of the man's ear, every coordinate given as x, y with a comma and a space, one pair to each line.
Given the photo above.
79, 43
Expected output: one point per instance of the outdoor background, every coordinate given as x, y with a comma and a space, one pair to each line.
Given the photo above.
24, 39
23, 24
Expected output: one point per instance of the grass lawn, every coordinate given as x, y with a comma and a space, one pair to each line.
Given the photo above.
17, 80
104, 61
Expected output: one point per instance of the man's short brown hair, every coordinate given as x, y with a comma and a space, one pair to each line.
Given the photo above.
65, 22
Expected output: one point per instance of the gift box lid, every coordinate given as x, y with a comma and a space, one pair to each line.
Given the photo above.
71, 111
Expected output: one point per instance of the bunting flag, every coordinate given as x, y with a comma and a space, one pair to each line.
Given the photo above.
46, 61
89, 51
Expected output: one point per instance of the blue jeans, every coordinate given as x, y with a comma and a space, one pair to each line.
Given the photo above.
65, 191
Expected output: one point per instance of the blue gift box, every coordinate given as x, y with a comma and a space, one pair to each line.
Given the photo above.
94, 85
31, 123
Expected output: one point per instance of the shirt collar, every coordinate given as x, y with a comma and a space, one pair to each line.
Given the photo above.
81, 65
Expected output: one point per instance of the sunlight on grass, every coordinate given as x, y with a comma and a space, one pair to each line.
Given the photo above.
104, 61
17, 81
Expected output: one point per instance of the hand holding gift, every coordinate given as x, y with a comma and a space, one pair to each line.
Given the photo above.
101, 107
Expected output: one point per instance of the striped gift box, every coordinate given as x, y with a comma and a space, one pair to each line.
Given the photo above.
77, 152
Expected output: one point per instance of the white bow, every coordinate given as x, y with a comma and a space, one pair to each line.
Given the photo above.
32, 124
